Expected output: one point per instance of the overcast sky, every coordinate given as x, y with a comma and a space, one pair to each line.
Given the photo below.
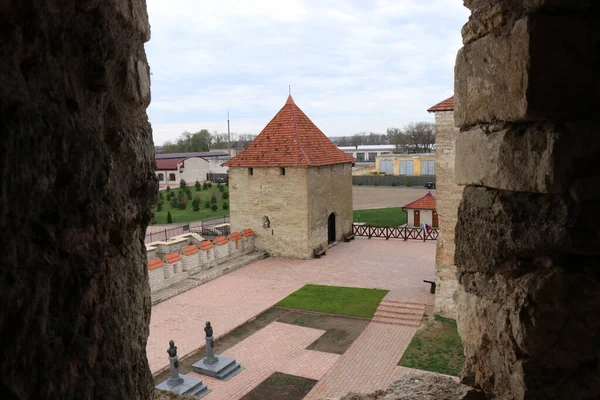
353, 66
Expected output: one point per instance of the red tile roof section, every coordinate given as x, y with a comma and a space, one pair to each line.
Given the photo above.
234, 236
446, 105
206, 244
426, 202
172, 257
169, 164
189, 250
248, 232
221, 240
290, 139
155, 263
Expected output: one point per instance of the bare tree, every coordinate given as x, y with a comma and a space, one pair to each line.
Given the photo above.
416, 137
421, 136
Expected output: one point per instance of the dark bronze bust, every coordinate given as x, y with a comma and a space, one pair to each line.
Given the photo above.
172, 350
208, 330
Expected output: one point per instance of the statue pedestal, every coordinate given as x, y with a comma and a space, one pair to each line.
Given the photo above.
224, 368
189, 386
175, 379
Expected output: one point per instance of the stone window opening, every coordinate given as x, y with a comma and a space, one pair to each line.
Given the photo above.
250, 171
282, 171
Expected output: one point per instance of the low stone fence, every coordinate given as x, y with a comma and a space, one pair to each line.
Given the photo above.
174, 260
392, 180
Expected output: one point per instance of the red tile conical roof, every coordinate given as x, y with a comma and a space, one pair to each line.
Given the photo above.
446, 105
426, 202
290, 139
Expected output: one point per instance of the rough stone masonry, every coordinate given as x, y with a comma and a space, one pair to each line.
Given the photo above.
448, 199
77, 186
527, 237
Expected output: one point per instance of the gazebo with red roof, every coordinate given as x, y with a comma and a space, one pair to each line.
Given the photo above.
292, 186
422, 210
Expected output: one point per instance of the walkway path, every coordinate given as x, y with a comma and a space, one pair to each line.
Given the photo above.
371, 362
276, 348
235, 298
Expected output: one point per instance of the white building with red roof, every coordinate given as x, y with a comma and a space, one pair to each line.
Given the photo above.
422, 211
292, 186
191, 167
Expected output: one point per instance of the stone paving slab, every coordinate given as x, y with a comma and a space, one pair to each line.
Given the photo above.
226, 302
202, 277
231, 300
370, 363
278, 347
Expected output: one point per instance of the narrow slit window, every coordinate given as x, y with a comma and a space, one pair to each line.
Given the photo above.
282, 171
250, 171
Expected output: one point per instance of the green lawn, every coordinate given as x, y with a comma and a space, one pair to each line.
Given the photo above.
436, 348
189, 214
381, 216
356, 302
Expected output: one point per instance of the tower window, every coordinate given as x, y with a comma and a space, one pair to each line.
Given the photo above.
282, 171
250, 171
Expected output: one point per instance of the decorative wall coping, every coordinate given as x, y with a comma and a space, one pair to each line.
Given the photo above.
171, 241
172, 257
155, 263
206, 245
248, 232
151, 246
221, 240
235, 236
189, 250
188, 236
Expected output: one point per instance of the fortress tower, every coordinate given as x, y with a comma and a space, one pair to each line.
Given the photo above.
292, 186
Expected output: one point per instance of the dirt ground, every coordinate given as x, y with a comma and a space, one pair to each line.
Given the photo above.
340, 333
281, 387
369, 197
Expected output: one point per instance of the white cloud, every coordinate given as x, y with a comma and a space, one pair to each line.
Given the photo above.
353, 65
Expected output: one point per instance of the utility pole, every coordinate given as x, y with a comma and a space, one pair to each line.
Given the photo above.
228, 136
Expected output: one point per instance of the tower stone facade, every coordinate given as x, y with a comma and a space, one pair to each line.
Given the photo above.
292, 186
448, 199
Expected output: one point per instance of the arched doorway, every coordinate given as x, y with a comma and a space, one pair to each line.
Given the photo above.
331, 228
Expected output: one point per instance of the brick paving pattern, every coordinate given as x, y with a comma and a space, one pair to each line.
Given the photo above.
371, 362
235, 298
276, 348
227, 302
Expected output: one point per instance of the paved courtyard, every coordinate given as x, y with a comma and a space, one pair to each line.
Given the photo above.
233, 299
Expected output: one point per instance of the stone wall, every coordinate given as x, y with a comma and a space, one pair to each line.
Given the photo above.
296, 204
77, 187
173, 261
527, 237
448, 195
283, 199
330, 191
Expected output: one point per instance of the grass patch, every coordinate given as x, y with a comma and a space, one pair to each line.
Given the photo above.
281, 387
381, 216
355, 302
437, 348
189, 215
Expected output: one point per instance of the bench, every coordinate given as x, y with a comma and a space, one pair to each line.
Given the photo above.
433, 286
319, 251
348, 237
